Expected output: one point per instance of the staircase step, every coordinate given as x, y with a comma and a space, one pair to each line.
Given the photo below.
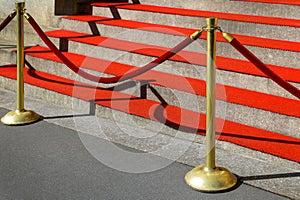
284, 2
253, 138
233, 6
235, 23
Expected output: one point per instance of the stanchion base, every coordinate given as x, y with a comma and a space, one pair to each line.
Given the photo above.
17, 117
210, 180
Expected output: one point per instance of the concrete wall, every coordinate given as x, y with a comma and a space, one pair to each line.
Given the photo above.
41, 10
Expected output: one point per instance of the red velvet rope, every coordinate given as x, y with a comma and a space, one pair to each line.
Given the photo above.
106, 80
7, 20
260, 65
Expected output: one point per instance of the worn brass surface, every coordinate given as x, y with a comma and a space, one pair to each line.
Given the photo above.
196, 35
210, 180
21, 117
211, 24
228, 37
20, 55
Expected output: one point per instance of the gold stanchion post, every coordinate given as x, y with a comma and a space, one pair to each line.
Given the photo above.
209, 177
20, 116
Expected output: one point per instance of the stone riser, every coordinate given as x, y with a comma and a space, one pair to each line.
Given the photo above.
233, 112
275, 10
7, 56
9, 33
234, 27
51, 97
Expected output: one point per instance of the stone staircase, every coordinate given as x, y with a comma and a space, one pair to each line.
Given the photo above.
120, 37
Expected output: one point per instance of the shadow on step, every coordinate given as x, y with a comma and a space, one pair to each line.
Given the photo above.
270, 176
92, 112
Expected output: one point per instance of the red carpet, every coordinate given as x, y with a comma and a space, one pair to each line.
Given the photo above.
246, 40
287, 2
265, 141
228, 64
233, 95
204, 13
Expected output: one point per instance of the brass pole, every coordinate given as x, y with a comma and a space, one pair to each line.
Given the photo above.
20, 116
209, 177
211, 24
20, 56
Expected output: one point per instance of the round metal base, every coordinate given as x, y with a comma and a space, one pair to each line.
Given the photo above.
17, 117
210, 180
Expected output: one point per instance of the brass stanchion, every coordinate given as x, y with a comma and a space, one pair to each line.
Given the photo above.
20, 116
209, 177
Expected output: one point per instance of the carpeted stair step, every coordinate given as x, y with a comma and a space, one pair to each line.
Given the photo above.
257, 139
138, 54
277, 52
269, 27
280, 9
243, 106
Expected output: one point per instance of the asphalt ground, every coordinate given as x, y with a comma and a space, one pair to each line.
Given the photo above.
47, 161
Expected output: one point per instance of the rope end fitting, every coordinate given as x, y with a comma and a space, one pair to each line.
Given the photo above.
26, 15
196, 35
13, 13
228, 37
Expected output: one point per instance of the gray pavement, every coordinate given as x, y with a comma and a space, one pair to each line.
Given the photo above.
47, 161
